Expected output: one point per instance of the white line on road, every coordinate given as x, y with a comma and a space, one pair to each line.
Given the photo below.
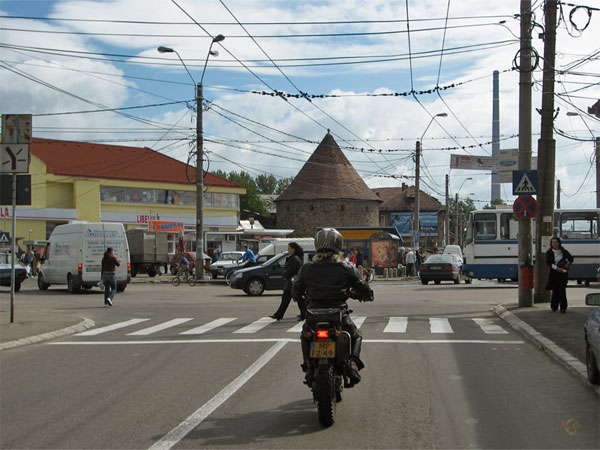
256, 325
358, 321
241, 341
160, 327
489, 327
440, 325
396, 325
296, 328
114, 326
210, 326
181, 430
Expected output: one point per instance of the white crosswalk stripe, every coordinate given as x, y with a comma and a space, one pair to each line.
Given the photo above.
396, 325
256, 325
210, 326
296, 328
160, 327
358, 321
440, 325
114, 326
489, 327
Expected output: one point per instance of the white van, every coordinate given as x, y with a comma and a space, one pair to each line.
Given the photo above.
454, 250
74, 254
276, 246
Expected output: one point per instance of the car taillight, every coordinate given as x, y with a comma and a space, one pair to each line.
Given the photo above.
128, 268
424, 269
448, 268
322, 334
79, 269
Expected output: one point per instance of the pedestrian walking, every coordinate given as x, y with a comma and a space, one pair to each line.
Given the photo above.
411, 260
558, 260
109, 276
292, 267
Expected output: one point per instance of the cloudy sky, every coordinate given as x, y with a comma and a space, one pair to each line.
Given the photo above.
98, 62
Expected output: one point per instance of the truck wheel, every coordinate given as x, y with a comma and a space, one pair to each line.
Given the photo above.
151, 272
71, 286
133, 271
121, 288
42, 285
255, 286
17, 286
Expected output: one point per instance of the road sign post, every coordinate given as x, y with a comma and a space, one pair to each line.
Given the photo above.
14, 158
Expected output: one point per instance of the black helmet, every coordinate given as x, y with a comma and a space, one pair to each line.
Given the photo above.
328, 239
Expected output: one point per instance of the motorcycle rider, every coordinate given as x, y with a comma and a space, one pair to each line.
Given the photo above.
326, 282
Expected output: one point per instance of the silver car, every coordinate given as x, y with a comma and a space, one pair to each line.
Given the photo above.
592, 339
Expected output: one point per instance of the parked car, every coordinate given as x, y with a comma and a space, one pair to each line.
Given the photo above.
225, 259
592, 339
5, 267
438, 268
266, 277
454, 250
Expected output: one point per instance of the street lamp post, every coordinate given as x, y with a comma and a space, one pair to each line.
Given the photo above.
457, 212
199, 154
416, 228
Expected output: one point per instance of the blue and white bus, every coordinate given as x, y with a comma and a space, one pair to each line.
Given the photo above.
491, 248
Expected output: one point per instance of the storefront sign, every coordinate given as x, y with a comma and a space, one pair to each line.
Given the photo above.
146, 218
168, 227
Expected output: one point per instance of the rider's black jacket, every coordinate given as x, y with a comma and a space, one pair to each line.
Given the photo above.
328, 282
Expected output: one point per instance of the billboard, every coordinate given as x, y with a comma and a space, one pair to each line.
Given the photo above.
403, 223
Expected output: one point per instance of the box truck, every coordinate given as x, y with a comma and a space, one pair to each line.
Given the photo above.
148, 251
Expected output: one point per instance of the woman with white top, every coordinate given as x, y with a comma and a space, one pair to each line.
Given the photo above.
558, 260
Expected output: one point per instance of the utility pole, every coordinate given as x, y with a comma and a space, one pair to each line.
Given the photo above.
557, 194
447, 217
544, 225
456, 209
416, 223
598, 172
524, 159
199, 185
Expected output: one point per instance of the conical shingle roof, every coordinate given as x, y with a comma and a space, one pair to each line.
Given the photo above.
327, 175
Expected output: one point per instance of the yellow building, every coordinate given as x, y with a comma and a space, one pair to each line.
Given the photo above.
129, 185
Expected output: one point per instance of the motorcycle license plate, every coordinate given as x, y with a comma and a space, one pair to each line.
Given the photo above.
322, 349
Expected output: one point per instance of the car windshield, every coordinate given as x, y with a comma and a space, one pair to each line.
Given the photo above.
275, 258
230, 256
440, 259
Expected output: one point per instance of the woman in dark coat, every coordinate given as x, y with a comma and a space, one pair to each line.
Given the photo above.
292, 267
558, 260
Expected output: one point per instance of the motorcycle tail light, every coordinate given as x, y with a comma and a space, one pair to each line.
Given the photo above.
322, 334
338, 332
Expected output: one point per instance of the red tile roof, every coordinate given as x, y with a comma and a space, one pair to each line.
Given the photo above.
116, 162
401, 199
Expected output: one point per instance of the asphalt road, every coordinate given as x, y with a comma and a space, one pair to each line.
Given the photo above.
449, 383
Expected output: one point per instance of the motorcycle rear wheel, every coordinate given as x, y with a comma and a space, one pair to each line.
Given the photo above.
325, 395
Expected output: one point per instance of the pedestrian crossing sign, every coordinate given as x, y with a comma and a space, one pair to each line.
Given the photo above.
4, 238
525, 182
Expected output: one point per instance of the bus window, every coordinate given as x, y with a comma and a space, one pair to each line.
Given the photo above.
579, 225
509, 226
485, 227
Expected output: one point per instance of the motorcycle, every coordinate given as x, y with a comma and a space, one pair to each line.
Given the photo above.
329, 358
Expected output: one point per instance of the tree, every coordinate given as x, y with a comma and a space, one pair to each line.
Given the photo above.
464, 208
495, 202
266, 184
250, 201
283, 184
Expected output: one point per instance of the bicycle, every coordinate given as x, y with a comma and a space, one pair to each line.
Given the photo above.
186, 277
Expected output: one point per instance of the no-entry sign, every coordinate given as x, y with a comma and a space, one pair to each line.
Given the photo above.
525, 207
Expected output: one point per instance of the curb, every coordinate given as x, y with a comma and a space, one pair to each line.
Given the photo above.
81, 326
561, 356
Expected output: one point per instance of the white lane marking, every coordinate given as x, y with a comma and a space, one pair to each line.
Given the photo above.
114, 326
489, 327
256, 325
243, 341
396, 325
209, 326
296, 328
160, 327
358, 321
438, 325
181, 430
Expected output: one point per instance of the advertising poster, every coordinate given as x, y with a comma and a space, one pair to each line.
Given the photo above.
403, 223
384, 254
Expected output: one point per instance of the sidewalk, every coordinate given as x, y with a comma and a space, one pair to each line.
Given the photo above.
559, 335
